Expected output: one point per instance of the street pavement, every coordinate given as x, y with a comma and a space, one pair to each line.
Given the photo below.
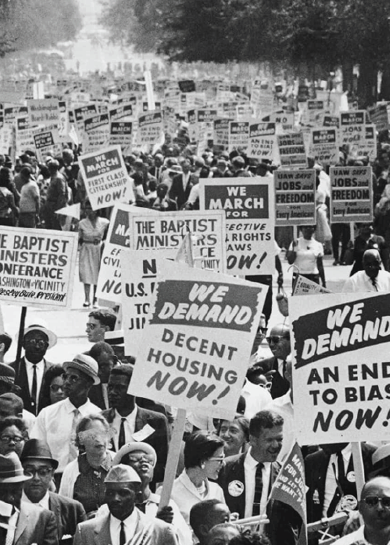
69, 326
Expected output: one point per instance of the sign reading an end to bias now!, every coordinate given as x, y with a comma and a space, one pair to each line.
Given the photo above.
200, 330
105, 177
341, 367
249, 208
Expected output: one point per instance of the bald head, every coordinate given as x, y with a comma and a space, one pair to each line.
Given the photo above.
279, 341
371, 263
374, 507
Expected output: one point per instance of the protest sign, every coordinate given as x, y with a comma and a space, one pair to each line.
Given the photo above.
351, 194
221, 133
96, 132
186, 86
238, 135
37, 267
105, 177
331, 121
6, 139
262, 141
292, 150
121, 111
249, 209
82, 113
290, 488
304, 286
284, 121
323, 145
379, 116
295, 197
200, 330
63, 122
12, 112
340, 350
150, 128
121, 134
43, 112
47, 140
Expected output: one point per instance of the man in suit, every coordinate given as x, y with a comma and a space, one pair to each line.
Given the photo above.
125, 523
20, 522
182, 184
37, 461
331, 481
31, 368
247, 479
274, 368
128, 420
106, 359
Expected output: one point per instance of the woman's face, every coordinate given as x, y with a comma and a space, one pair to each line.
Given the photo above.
307, 232
91, 214
233, 435
94, 438
57, 389
214, 464
11, 440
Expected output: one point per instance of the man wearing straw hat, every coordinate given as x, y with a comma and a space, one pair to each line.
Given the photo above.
20, 522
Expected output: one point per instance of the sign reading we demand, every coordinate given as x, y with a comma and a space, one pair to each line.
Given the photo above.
341, 367
200, 330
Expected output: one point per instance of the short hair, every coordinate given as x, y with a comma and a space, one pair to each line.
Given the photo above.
84, 423
199, 447
13, 421
248, 537
15, 401
52, 372
200, 513
242, 421
264, 420
105, 318
100, 348
125, 369
6, 340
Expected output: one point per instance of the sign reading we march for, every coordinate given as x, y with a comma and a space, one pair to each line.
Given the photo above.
341, 368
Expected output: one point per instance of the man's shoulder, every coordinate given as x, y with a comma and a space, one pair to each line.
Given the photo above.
151, 415
234, 461
35, 512
67, 503
94, 524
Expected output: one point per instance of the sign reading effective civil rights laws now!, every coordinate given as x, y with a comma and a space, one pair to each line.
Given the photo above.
105, 177
37, 267
200, 330
341, 368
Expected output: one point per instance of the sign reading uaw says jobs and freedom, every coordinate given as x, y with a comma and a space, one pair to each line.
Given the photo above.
200, 329
37, 267
249, 209
341, 367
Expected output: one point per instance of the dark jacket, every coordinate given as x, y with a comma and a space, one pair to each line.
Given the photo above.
21, 380
68, 513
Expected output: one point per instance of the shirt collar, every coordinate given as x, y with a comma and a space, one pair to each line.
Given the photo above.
131, 520
44, 502
30, 364
250, 462
130, 417
83, 409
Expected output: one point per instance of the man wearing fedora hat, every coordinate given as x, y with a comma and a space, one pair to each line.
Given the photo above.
37, 461
21, 523
56, 424
31, 368
124, 523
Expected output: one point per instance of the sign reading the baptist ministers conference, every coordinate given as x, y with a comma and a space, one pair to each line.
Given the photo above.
37, 267
295, 197
351, 194
341, 368
200, 329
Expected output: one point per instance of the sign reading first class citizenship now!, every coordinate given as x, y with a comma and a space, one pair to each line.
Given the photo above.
200, 329
37, 267
341, 368
351, 194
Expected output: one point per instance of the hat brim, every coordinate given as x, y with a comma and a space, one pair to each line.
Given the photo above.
53, 462
15, 479
52, 337
132, 447
75, 365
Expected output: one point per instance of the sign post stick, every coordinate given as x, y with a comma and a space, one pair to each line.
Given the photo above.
20, 335
358, 467
173, 457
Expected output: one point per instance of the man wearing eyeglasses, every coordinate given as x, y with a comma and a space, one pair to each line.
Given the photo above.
274, 368
38, 463
31, 368
374, 507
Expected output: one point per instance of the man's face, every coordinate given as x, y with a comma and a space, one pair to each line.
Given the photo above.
11, 493
221, 535
375, 515
42, 472
267, 445
185, 165
142, 463
117, 391
105, 363
219, 514
35, 344
76, 384
95, 330
279, 343
120, 498
372, 265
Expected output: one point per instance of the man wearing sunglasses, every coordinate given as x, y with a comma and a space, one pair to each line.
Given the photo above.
274, 368
374, 507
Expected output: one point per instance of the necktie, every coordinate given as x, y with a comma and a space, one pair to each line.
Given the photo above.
122, 534
34, 388
374, 283
73, 452
340, 478
122, 438
258, 489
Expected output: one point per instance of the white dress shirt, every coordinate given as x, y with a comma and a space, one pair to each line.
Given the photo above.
250, 466
130, 527
30, 373
332, 476
129, 426
256, 398
54, 426
12, 522
283, 405
44, 502
360, 282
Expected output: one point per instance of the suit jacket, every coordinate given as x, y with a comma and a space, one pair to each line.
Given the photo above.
158, 440
68, 513
96, 396
35, 525
97, 531
21, 380
284, 521
316, 467
280, 385
178, 193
